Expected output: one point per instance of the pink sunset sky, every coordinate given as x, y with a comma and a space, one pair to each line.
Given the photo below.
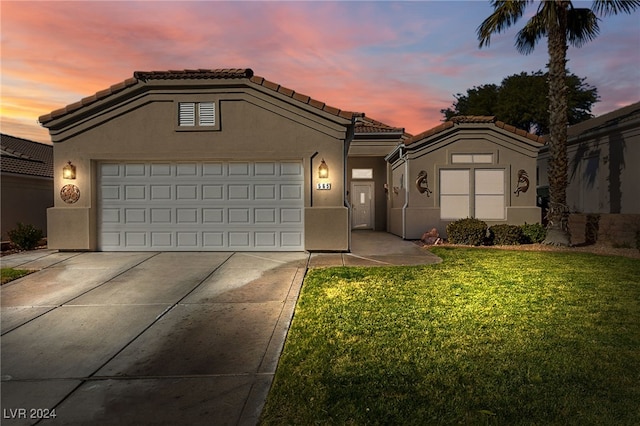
398, 62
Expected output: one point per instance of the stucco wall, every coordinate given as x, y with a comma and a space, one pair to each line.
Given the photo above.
253, 125
509, 152
602, 173
25, 199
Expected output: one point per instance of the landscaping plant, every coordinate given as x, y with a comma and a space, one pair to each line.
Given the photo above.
506, 234
469, 231
25, 237
533, 233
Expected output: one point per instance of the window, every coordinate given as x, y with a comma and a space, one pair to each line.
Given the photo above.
465, 194
489, 192
192, 114
454, 194
361, 173
472, 158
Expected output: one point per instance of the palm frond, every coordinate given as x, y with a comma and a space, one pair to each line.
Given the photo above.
528, 36
505, 13
613, 7
582, 26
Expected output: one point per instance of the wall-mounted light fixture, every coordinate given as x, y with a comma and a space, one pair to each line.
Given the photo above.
69, 171
323, 170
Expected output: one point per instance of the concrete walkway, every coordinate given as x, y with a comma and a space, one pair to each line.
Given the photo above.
156, 338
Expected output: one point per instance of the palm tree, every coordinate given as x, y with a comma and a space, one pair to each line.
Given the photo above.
560, 22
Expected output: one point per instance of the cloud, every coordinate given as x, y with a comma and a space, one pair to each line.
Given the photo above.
400, 63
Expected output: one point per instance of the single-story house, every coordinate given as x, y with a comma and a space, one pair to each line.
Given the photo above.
216, 159
603, 178
470, 166
225, 160
26, 176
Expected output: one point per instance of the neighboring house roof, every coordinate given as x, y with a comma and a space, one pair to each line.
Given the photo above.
25, 157
199, 74
604, 121
474, 119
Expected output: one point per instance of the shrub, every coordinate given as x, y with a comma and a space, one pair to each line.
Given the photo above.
506, 235
533, 233
467, 231
25, 237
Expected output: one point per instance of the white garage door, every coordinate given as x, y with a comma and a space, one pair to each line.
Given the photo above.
191, 206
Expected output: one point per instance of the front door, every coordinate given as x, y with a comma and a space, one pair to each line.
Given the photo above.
362, 202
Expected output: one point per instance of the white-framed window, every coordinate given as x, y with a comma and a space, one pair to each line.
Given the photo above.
361, 173
472, 158
454, 194
201, 114
478, 193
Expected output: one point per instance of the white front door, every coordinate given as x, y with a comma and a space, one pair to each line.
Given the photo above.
362, 205
193, 206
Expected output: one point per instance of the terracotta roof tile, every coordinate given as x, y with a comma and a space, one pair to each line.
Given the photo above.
300, 97
369, 125
220, 73
316, 104
194, 74
475, 119
285, 91
25, 157
270, 85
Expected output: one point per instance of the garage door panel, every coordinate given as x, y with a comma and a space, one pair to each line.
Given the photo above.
201, 206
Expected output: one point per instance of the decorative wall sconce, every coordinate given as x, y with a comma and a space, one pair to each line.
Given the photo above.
323, 170
69, 171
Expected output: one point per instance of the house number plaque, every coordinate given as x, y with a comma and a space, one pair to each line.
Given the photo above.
323, 186
70, 194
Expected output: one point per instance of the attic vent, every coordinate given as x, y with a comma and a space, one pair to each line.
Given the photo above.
187, 114
202, 113
207, 114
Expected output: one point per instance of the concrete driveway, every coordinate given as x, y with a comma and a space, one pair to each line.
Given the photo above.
145, 338
156, 338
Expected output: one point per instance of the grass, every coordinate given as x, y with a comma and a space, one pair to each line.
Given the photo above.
10, 274
486, 337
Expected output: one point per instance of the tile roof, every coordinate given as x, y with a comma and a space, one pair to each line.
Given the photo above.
25, 157
369, 125
197, 74
475, 119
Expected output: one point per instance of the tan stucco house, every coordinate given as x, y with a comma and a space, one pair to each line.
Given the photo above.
225, 160
27, 183
470, 166
200, 160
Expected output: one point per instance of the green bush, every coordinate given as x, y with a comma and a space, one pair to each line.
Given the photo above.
467, 231
506, 235
533, 233
25, 237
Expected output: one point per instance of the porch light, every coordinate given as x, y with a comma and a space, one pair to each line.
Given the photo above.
69, 171
323, 170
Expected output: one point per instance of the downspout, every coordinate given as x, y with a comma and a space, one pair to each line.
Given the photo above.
405, 158
347, 144
311, 178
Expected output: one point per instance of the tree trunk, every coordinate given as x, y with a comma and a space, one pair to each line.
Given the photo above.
558, 216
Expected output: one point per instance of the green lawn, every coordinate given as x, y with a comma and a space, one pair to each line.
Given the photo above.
10, 274
486, 337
